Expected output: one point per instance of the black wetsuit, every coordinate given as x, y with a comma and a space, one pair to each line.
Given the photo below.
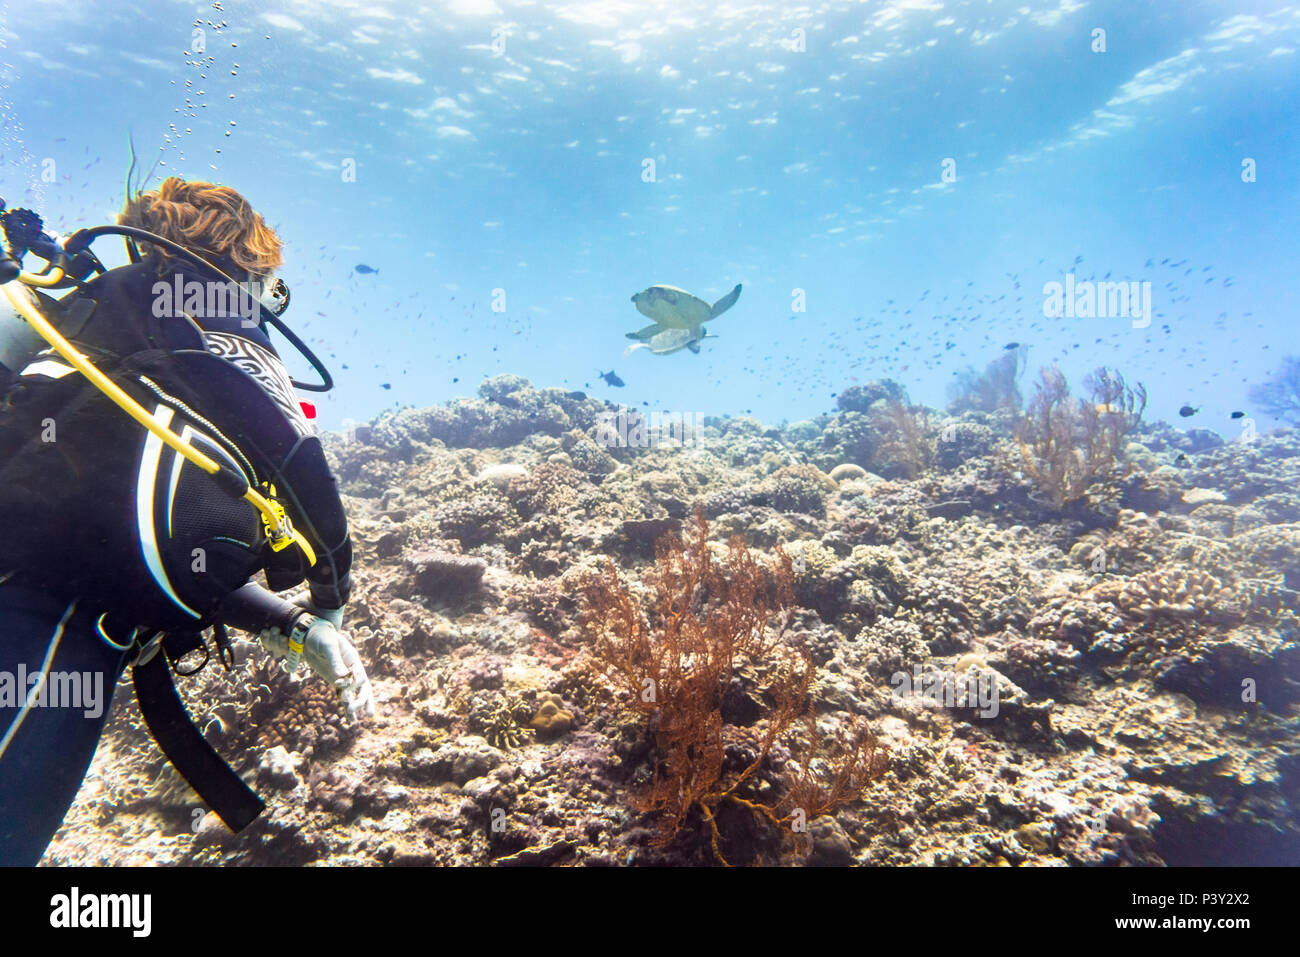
108, 536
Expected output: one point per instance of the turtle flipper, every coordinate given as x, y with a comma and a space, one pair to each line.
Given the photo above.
694, 346
646, 333
725, 303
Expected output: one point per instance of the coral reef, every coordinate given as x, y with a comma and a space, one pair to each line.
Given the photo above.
1082, 651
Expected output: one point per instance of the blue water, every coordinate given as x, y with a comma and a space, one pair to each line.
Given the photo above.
499, 152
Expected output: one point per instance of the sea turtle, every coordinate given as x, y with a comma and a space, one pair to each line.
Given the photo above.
678, 316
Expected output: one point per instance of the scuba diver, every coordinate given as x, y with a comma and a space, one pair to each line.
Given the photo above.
153, 458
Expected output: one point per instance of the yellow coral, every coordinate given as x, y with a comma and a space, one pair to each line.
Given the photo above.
551, 719
845, 471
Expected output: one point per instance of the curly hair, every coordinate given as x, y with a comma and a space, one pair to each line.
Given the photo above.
208, 218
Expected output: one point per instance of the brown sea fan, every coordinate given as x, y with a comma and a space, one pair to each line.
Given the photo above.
677, 652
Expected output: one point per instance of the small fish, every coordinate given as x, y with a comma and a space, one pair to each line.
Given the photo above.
385, 385
1011, 345
1187, 411
364, 269
611, 378
1182, 459
577, 396
1238, 415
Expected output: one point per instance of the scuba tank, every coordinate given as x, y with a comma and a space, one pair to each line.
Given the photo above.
19, 342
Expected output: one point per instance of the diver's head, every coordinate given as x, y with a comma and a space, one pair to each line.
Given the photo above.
213, 221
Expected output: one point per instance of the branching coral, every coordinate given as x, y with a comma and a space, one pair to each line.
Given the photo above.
678, 663
301, 715
1178, 593
1067, 443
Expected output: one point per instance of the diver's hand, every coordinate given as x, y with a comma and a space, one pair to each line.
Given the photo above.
354, 689
332, 656
274, 641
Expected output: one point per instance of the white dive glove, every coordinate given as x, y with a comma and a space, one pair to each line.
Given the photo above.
331, 655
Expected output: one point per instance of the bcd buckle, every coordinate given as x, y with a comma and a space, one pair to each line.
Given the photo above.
279, 537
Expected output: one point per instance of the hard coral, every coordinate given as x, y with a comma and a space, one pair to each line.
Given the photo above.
553, 487
551, 720
847, 471
1174, 592
859, 398
735, 498
439, 573
475, 520
301, 715
798, 488
500, 719
587, 455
